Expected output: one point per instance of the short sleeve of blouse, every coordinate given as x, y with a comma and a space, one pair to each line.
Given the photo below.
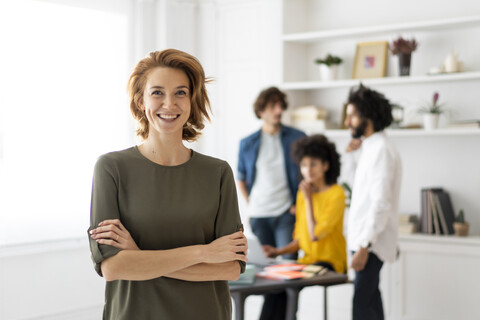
228, 215
104, 206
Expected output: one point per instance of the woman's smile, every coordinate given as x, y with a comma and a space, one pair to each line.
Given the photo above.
168, 117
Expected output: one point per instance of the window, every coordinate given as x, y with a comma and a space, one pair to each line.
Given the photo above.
63, 103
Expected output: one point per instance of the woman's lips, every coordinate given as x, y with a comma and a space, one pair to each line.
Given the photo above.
168, 117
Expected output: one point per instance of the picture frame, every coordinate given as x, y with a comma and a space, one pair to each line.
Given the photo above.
370, 60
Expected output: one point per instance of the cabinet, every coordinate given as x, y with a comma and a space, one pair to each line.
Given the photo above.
436, 278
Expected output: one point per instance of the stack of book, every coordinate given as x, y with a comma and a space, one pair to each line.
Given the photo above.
407, 223
290, 271
310, 118
437, 215
465, 124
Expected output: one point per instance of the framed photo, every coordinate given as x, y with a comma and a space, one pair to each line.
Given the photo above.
370, 60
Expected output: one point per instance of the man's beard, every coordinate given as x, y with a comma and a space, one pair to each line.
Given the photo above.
276, 121
359, 131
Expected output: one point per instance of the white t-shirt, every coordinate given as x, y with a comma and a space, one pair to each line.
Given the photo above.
270, 194
373, 214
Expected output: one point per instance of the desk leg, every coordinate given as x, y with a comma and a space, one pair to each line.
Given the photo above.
239, 300
292, 303
325, 302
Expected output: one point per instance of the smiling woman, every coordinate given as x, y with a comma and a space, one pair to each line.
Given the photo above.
142, 196
60, 106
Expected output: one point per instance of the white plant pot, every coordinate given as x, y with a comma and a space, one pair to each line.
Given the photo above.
430, 121
328, 73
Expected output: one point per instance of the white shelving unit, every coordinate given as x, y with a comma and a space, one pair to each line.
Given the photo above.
300, 42
301, 48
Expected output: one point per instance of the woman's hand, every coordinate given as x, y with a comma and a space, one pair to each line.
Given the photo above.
113, 233
306, 189
354, 144
293, 210
227, 248
270, 252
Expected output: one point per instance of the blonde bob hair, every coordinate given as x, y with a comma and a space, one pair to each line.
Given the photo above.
176, 59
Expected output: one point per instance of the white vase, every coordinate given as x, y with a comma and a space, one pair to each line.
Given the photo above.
328, 73
430, 121
451, 62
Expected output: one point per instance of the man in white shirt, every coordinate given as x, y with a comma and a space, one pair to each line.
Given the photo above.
373, 215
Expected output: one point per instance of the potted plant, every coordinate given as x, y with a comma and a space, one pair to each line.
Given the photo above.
329, 67
348, 194
460, 226
431, 113
403, 48
397, 115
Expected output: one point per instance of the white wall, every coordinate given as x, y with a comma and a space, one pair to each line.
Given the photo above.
49, 281
239, 44
247, 55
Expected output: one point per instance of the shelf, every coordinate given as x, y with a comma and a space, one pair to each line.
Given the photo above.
308, 37
312, 85
410, 132
441, 240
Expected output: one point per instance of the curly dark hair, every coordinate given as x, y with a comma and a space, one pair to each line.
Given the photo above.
371, 105
318, 146
269, 95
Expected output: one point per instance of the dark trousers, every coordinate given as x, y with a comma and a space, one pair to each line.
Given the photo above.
275, 231
367, 299
275, 304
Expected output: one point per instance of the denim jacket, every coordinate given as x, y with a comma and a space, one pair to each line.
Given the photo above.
247, 157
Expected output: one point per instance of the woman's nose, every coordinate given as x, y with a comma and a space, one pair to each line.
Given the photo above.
169, 101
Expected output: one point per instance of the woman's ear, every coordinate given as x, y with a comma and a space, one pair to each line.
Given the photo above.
139, 102
326, 166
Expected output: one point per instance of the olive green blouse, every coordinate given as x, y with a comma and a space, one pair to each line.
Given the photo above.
164, 207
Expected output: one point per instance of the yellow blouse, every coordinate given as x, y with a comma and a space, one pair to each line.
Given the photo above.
328, 210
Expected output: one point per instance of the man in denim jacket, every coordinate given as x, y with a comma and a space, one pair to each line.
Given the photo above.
268, 177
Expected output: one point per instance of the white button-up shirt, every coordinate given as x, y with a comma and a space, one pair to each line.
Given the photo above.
373, 214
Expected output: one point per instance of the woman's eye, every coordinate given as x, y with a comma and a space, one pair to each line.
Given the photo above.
156, 92
181, 92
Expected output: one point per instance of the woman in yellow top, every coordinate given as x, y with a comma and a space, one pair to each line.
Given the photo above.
319, 215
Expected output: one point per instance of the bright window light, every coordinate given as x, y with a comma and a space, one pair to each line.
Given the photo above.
62, 104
